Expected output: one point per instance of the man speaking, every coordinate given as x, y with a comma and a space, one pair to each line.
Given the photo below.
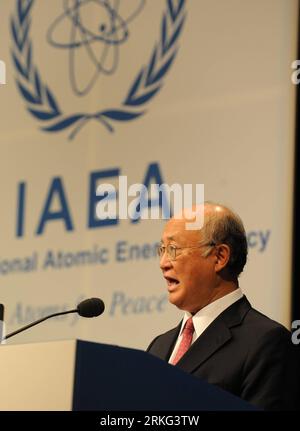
221, 338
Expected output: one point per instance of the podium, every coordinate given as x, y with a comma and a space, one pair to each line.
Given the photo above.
80, 375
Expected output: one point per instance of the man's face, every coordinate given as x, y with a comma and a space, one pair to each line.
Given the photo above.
191, 278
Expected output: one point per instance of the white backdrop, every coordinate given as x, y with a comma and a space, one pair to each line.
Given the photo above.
223, 115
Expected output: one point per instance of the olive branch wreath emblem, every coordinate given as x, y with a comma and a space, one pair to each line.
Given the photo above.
40, 100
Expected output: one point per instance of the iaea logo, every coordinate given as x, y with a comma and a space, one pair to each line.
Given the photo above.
110, 35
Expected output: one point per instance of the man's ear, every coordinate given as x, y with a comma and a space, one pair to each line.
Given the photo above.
222, 254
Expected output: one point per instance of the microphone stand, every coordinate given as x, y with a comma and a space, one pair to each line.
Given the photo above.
38, 321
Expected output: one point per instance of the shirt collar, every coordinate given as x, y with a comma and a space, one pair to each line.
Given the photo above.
211, 311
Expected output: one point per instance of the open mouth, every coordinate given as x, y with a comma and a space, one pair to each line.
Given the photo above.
172, 282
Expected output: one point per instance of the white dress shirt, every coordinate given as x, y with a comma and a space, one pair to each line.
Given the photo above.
206, 316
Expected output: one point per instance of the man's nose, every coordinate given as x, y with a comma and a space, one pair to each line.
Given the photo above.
165, 261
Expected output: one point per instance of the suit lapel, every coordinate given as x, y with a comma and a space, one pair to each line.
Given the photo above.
166, 345
215, 336
212, 339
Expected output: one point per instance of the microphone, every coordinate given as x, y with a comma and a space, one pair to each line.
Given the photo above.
92, 307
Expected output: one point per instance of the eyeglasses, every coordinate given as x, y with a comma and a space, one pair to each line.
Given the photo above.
172, 249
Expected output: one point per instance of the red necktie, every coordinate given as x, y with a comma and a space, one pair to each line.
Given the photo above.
186, 341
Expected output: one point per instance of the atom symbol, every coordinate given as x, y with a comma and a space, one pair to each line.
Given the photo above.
97, 27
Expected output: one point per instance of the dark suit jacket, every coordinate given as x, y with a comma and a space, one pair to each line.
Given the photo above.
245, 353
